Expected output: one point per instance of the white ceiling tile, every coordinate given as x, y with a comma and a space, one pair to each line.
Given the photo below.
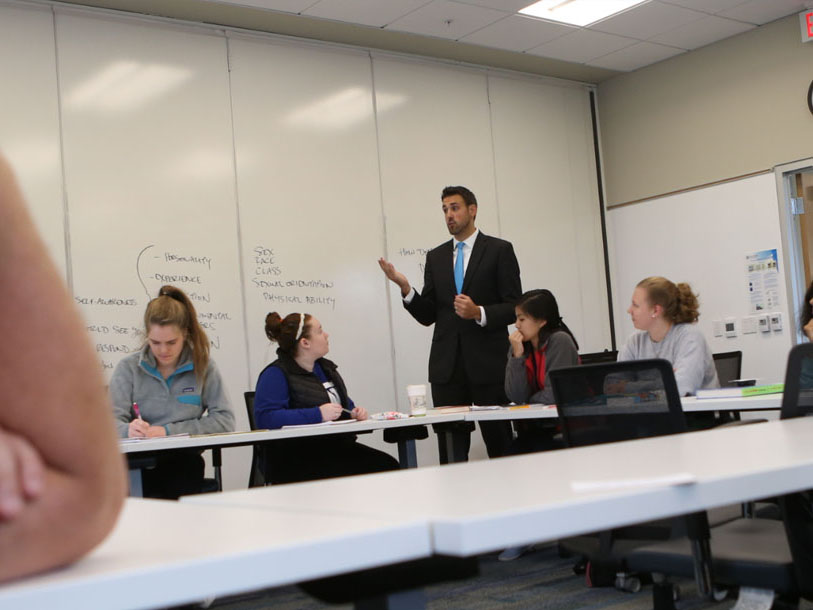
706, 6
647, 20
365, 12
582, 46
518, 33
702, 32
507, 6
764, 11
446, 19
635, 56
288, 6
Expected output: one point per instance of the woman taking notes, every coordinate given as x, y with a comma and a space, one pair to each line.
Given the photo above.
304, 387
171, 386
666, 314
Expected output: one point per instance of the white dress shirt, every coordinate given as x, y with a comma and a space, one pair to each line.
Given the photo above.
467, 248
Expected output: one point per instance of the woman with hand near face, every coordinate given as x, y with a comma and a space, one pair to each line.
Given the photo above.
171, 386
542, 342
666, 314
304, 387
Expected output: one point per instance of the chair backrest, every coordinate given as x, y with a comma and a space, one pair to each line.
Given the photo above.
617, 401
797, 508
728, 365
597, 357
249, 398
797, 398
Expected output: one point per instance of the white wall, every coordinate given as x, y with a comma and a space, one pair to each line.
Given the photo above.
702, 237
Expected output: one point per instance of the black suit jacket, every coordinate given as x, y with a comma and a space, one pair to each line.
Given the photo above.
492, 281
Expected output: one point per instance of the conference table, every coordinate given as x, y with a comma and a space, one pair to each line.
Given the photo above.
690, 404
164, 553
141, 453
483, 506
224, 543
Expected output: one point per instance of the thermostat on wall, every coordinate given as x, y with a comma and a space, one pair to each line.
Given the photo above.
730, 327
776, 321
764, 323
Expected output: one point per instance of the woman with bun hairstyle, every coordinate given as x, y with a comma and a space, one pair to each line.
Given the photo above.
303, 387
666, 314
171, 386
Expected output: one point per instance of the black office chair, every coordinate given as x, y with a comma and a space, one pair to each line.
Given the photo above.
758, 553
256, 476
599, 357
616, 401
728, 365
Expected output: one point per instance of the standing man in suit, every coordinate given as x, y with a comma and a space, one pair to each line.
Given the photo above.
470, 286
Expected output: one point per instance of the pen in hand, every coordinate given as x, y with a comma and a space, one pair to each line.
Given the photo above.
136, 410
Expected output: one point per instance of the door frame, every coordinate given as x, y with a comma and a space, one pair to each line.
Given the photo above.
792, 262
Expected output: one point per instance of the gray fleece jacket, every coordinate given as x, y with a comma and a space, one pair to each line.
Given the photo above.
560, 351
685, 347
175, 403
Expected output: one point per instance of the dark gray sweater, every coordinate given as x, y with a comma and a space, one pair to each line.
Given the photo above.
560, 351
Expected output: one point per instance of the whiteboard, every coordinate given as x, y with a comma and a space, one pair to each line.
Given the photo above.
702, 237
29, 118
259, 174
310, 211
150, 182
548, 199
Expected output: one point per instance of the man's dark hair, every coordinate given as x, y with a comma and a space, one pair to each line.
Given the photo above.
466, 194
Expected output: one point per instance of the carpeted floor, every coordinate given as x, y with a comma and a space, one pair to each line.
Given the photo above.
538, 580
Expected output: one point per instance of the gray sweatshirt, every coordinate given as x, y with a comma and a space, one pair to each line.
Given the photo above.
560, 351
685, 347
175, 403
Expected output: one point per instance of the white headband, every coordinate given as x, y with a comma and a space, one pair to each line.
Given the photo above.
301, 326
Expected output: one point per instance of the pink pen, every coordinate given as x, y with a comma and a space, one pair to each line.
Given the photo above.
136, 409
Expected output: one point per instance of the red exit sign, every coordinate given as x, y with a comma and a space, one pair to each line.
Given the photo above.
806, 21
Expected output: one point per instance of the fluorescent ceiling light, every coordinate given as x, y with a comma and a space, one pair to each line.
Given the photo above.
578, 12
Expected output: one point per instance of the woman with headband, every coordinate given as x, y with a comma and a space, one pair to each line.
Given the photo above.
304, 387
171, 386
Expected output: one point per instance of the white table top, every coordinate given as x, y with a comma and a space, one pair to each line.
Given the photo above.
247, 438
487, 505
689, 403
165, 553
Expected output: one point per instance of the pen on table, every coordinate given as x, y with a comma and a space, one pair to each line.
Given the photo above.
137, 410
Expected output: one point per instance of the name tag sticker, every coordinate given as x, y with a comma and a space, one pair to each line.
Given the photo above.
188, 390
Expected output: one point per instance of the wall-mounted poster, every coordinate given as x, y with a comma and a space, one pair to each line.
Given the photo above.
763, 280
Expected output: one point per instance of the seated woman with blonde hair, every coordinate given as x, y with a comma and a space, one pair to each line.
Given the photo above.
666, 314
171, 386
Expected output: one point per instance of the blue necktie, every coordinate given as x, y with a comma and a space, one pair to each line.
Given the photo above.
458, 267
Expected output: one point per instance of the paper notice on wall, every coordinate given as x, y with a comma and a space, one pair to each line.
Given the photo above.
763, 280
